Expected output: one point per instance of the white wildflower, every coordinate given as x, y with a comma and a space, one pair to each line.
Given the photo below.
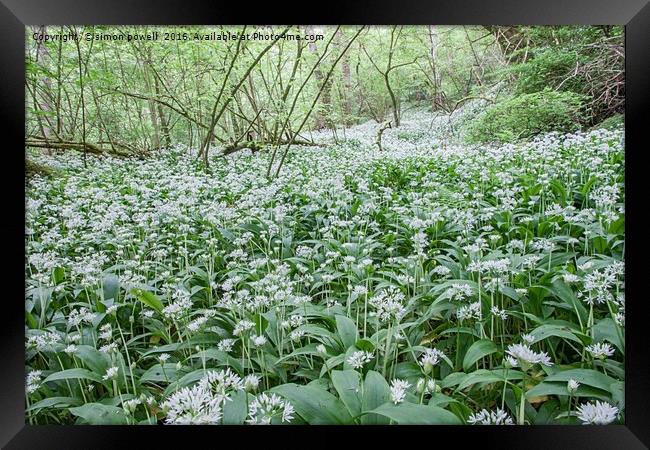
572, 386
398, 390
192, 406
430, 358
598, 413
359, 358
600, 350
111, 373
525, 356
266, 407
486, 417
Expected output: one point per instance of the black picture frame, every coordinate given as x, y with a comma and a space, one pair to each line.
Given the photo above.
15, 14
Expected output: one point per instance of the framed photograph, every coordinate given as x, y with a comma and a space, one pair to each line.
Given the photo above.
381, 216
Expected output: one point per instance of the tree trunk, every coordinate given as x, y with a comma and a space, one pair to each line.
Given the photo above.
42, 55
320, 116
83, 103
396, 108
437, 94
164, 122
347, 82
151, 104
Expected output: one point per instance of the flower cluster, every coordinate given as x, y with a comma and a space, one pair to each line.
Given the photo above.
485, 417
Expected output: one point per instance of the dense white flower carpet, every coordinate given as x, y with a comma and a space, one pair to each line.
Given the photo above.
429, 283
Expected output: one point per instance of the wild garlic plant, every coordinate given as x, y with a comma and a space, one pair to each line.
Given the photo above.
425, 283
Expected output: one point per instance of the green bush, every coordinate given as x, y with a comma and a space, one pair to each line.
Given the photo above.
550, 67
526, 115
585, 60
611, 123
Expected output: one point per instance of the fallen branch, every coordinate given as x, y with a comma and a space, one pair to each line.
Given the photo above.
256, 146
69, 145
380, 131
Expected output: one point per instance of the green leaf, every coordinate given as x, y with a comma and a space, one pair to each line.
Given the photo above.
560, 388
55, 402
441, 400
156, 373
546, 413
184, 381
545, 331
111, 286
31, 322
98, 414
167, 348
72, 374
453, 379
58, 274
223, 358
321, 332
309, 349
93, 358
227, 234
332, 363
618, 226
488, 376
260, 323
348, 385
235, 410
316, 406
347, 330
117, 400
412, 414
148, 298
606, 330
564, 293
376, 392
618, 393
408, 369
476, 351
589, 377
365, 344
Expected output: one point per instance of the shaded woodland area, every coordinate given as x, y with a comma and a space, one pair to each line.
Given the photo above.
108, 96
368, 226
